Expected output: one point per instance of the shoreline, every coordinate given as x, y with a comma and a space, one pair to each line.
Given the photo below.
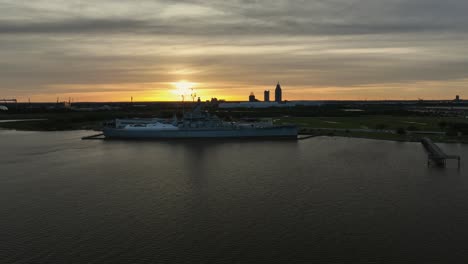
390, 136
305, 133
408, 128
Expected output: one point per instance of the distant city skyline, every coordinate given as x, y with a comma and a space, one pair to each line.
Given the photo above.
320, 50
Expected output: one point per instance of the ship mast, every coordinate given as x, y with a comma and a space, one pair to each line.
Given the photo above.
193, 95
183, 105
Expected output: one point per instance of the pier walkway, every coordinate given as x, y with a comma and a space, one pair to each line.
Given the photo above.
99, 136
436, 155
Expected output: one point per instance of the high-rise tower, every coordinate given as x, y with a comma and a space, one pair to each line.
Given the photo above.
252, 97
278, 93
266, 96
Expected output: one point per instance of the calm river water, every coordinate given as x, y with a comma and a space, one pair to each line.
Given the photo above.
328, 200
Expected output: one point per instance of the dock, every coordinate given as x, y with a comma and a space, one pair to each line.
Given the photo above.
436, 155
305, 136
99, 136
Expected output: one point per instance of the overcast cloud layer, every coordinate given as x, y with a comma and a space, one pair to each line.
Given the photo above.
328, 49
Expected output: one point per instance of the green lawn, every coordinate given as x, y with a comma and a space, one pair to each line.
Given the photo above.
370, 122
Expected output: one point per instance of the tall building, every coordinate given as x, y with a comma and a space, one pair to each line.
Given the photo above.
252, 97
266, 96
278, 93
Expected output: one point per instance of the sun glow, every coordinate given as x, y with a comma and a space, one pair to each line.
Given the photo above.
183, 88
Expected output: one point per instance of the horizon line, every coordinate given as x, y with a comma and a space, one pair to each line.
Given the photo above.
244, 101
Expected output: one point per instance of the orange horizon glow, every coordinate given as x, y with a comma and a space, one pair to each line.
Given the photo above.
112, 51
173, 91
77, 99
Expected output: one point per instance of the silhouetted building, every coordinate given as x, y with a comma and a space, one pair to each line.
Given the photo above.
266, 96
278, 93
457, 98
252, 97
215, 101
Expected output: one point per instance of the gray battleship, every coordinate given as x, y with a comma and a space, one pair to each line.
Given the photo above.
195, 124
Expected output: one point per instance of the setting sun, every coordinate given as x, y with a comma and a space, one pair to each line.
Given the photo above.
183, 88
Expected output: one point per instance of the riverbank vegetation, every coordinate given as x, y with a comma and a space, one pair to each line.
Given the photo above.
381, 122
63, 120
378, 123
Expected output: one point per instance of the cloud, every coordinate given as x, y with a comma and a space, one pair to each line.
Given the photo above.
72, 26
236, 17
236, 44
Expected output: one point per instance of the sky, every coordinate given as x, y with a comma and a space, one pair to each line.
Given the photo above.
106, 50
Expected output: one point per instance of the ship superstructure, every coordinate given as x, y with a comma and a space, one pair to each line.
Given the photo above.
195, 124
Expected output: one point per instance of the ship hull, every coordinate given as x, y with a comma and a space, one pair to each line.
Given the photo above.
270, 132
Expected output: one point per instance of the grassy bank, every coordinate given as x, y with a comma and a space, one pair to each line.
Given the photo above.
386, 136
60, 121
417, 123
380, 127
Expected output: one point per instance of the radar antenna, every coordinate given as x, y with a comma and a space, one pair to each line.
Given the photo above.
193, 95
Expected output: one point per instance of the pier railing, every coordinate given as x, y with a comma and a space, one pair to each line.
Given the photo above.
436, 155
